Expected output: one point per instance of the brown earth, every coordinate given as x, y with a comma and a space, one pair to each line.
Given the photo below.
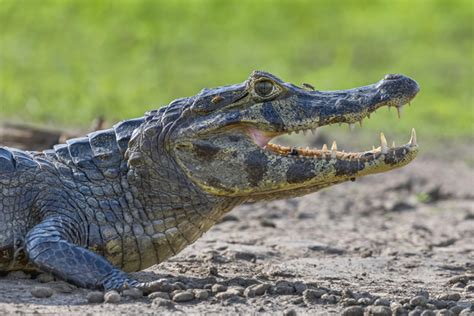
382, 244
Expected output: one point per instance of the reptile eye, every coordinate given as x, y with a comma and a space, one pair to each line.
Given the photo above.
264, 88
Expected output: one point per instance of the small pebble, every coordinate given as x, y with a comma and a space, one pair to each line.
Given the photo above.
382, 302
216, 288
449, 297
112, 297
427, 313
249, 292
95, 297
415, 312
284, 290
299, 287
465, 304
160, 302
312, 295
349, 302
466, 312
419, 301
469, 288
329, 298
260, 289
397, 309
364, 301
45, 278
41, 292
379, 311
456, 309
178, 286
162, 295
236, 290
444, 312
183, 296
133, 293
224, 295
201, 294
289, 312
353, 311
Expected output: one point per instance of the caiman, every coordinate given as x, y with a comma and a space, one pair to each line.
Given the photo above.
126, 198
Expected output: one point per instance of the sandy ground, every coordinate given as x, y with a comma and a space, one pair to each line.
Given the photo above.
384, 244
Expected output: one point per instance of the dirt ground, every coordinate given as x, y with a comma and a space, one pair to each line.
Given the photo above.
392, 243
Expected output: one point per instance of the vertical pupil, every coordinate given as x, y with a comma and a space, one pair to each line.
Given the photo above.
264, 87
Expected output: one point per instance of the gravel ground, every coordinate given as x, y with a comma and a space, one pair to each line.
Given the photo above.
401, 243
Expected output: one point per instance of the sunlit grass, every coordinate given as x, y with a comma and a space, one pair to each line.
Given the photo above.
64, 63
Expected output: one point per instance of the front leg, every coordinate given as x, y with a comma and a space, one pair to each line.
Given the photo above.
50, 245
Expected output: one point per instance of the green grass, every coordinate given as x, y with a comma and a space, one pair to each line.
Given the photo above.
67, 62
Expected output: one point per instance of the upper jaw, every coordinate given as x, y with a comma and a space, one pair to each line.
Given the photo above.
312, 109
307, 110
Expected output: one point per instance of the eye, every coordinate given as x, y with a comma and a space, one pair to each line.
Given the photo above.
264, 88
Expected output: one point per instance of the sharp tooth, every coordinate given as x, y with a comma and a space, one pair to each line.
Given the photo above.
373, 147
351, 126
383, 142
413, 138
399, 111
325, 147
334, 146
409, 103
305, 132
360, 123
313, 131
393, 144
368, 115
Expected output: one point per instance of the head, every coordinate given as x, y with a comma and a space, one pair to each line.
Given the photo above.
221, 138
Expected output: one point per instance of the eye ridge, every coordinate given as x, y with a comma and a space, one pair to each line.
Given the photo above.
264, 88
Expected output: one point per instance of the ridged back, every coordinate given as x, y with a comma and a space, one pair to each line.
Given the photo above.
99, 153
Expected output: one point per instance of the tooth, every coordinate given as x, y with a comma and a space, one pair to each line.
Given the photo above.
413, 138
393, 144
399, 111
373, 147
383, 142
360, 123
351, 126
334, 150
368, 115
305, 132
325, 147
313, 131
409, 103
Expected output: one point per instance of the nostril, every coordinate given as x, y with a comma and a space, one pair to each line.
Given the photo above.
392, 76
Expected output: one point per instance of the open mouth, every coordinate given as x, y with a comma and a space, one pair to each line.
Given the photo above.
263, 140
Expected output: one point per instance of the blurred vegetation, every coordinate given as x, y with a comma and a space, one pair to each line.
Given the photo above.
64, 63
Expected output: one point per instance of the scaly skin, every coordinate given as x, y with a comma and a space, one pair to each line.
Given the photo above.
129, 197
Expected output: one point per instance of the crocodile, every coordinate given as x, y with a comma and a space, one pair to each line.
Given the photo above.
119, 200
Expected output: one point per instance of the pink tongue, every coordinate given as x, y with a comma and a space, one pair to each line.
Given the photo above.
259, 137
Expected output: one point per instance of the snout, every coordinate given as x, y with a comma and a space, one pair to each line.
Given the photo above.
399, 85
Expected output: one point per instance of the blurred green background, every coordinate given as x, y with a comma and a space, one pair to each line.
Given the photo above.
64, 63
